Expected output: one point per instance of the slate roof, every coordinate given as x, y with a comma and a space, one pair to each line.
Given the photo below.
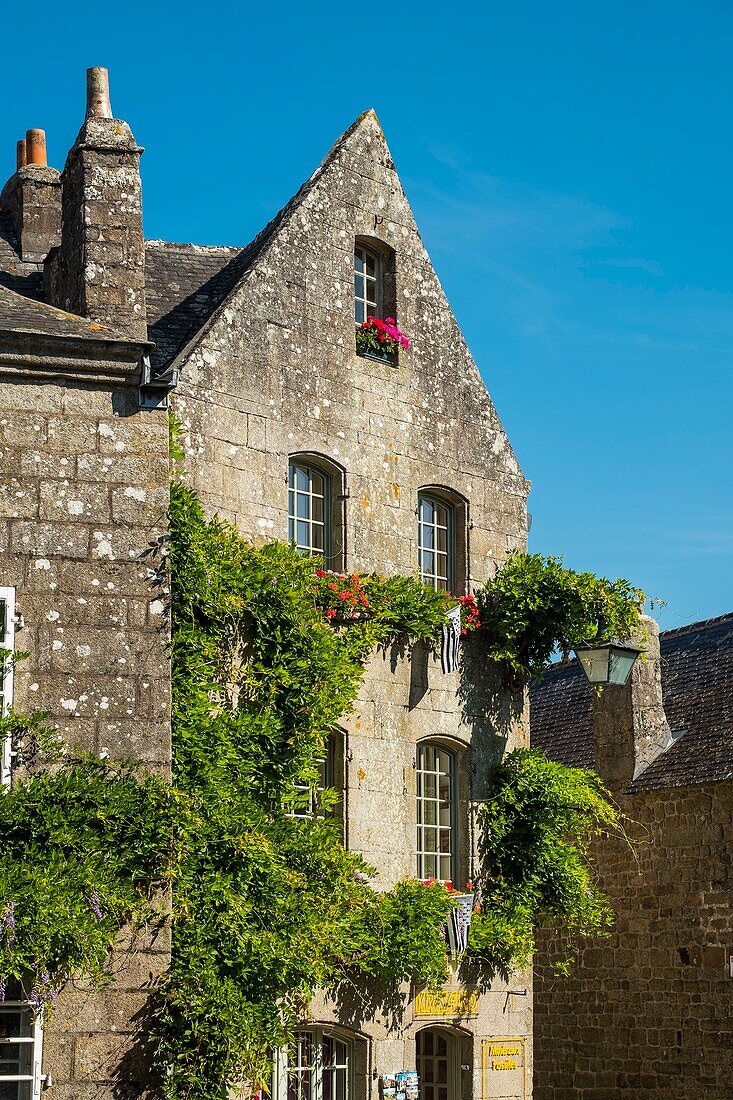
24, 278
184, 283
561, 716
21, 314
697, 687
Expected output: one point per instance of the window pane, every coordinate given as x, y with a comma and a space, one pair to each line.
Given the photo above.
302, 481
359, 286
358, 260
303, 529
317, 539
316, 483
359, 313
317, 513
302, 506
370, 265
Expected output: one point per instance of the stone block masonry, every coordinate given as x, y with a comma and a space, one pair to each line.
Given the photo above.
84, 488
646, 1013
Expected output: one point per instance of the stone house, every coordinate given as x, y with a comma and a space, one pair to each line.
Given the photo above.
647, 1011
397, 464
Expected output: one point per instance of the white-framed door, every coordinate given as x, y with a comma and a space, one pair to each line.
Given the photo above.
438, 1053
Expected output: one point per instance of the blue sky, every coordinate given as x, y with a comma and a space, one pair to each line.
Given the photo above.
570, 168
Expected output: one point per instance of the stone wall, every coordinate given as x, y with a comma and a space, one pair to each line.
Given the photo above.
84, 486
646, 1012
275, 373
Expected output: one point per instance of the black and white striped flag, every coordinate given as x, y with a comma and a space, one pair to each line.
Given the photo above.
459, 922
451, 640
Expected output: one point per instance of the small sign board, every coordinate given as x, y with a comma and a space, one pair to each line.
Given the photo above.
504, 1067
447, 1003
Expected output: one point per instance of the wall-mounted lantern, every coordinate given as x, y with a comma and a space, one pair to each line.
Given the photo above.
607, 662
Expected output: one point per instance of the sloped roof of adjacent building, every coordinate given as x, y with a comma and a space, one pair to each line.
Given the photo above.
697, 688
21, 314
15, 274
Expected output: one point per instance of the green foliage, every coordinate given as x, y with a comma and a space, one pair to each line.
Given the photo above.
268, 654
83, 850
536, 830
535, 605
268, 908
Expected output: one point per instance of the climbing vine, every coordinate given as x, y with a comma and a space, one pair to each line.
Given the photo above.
535, 605
536, 829
268, 653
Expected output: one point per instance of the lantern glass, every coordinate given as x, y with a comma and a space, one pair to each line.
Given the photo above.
620, 664
607, 662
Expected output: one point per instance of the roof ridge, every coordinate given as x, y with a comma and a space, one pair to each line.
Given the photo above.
158, 242
701, 624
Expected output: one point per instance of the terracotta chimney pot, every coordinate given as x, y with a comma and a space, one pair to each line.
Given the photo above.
35, 147
20, 155
98, 104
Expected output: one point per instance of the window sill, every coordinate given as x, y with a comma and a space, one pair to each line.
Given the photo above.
391, 359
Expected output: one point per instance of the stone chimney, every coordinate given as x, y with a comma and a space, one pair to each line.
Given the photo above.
99, 269
32, 198
629, 724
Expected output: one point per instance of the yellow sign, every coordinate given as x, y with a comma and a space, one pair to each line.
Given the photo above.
505, 1067
447, 1002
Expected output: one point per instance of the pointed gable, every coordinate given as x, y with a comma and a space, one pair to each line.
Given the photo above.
278, 354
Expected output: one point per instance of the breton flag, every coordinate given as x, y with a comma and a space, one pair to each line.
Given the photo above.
459, 922
451, 640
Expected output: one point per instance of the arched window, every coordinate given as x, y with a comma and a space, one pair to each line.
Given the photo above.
306, 799
438, 1064
367, 283
436, 541
308, 503
321, 1068
436, 812
316, 497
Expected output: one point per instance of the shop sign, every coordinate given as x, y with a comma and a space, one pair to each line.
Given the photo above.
447, 1003
504, 1067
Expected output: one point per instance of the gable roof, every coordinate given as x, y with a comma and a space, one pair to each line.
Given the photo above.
697, 688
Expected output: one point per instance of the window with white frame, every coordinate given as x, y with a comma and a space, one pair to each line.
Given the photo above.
436, 812
306, 798
7, 645
367, 284
21, 1042
308, 509
435, 541
321, 1070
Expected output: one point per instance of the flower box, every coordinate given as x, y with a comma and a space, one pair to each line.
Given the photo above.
377, 339
378, 357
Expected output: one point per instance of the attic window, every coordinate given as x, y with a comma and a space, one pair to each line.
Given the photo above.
367, 284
